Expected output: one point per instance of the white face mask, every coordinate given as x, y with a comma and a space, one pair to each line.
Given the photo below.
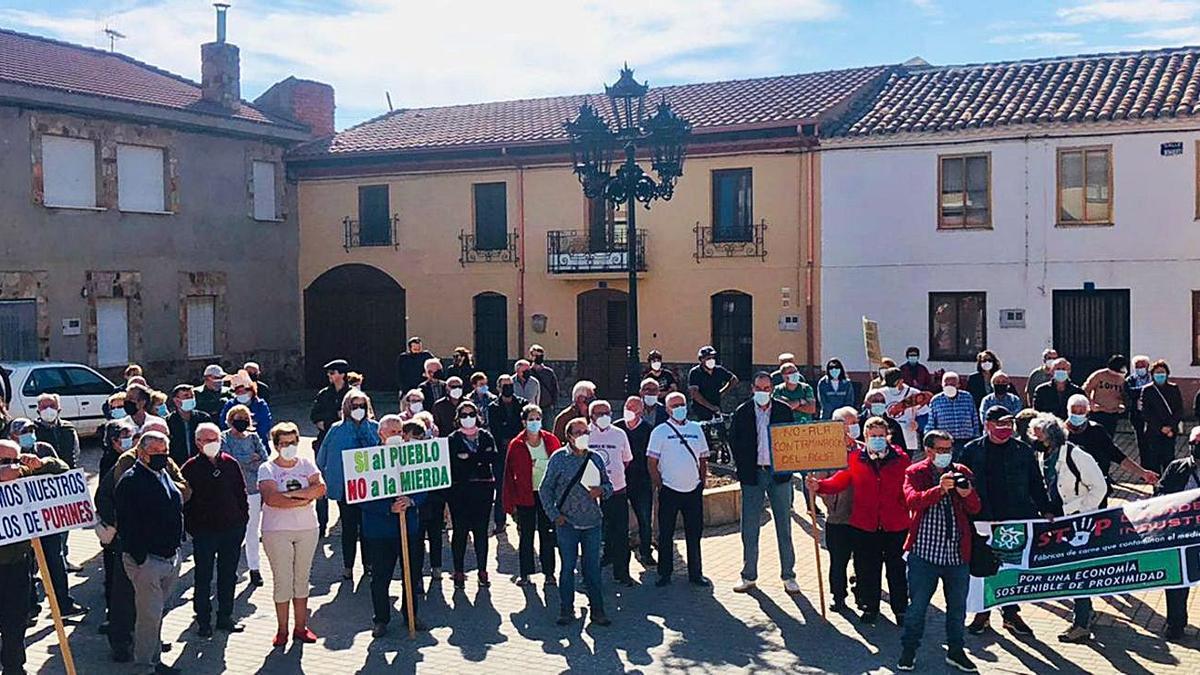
710, 363
48, 414
853, 431
986, 366
629, 416
243, 398
415, 407
602, 421
650, 400
456, 392
288, 451
581, 441
468, 422
950, 390
656, 365
394, 440
358, 414
211, 450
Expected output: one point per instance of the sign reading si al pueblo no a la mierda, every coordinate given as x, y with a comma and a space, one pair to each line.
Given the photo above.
393, 470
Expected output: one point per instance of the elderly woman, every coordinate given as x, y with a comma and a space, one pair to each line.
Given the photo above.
1075, 484
245, 393
356, 429
528, 456
413, 404
878, 516
289, 485
240, 440
472, 486
839, 535
1162, 409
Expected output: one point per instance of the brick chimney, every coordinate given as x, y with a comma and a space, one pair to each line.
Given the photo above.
220, 68
303, 101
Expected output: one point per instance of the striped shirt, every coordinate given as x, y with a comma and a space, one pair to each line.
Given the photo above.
937, 541
956, 416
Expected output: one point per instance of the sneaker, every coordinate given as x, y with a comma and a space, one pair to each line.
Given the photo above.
460, 580
979, 624
838, 605
256, 579
1075, 635
484, 582
379, 630
601, 619
745, 586
791, 587
74, 609
958, 659
566, 618
648, 560
908, 660
1016, 625
304, 635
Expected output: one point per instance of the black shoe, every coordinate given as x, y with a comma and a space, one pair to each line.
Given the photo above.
649, 560
379, 630
73, 568
601, 619
869, 618
164, 647
663, 581
979, 624
204, 630
1016, 625
566, 618
122, 654
256, 579
164, 669
74, 609
702, 582
102, 628
627, 582
229, 626
908, 660
838, 605
1173, 633
958, 659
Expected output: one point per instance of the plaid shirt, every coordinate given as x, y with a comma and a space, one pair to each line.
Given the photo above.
937, 541
956, 416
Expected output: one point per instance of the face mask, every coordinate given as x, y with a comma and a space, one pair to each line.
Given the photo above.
26, 441
581, 441
629, 416
1047, 363
157, 462
986, 366
394, 440
941, 461
1160, 378
210, 450
48, 415
602, 421
876, 445
835, 373
1001, 389
539, 359
506, 390
650, 400
161, 410
656, 365
118, 413
187, 404
913, 360
950, 390
1077, 420
288, 451
253, 377
131, 407
679, 413
468, 422
127, 443
793, 378
415, 407
710, 363
1196, 450
482, 390
1140, 372
761, 397
358, 414
240, 425
456, 393
534, 426
878, 408
243, 398
1061, 375
853, 430
1002, 434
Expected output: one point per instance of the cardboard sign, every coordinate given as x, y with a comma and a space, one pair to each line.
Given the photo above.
392, 470
808, 447
39, 506
871, 342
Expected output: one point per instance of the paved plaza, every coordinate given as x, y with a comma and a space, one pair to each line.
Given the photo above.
509, 629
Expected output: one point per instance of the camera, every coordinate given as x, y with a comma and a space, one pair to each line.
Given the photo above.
961, 481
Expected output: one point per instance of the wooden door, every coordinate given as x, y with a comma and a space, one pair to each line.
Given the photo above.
354, 312
1089, 327
603, 339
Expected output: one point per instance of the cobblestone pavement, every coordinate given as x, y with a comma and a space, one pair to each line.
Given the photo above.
511, 629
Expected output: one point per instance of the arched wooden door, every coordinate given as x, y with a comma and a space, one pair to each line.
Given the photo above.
491, 334
603, 322
354, 312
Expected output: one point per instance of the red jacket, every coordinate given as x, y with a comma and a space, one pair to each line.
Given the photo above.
921, 491
517, 489
878, 491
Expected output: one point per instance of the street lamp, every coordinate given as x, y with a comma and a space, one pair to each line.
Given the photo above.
593, 143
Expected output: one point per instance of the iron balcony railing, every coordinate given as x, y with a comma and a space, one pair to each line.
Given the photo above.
475, 251
372, 234
723, 242
582, 252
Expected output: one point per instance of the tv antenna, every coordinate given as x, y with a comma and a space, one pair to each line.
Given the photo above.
113, 35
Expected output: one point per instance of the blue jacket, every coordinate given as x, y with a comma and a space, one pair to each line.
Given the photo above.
343, 435
260, 415
831, 400
378, 521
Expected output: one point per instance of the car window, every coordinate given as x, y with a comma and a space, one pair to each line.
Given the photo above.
87, 383
45, 381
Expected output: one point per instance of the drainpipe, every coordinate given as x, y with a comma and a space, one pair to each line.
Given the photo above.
809, 264
520, 259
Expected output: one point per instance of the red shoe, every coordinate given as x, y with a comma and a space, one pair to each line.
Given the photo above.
484, 582
306, 636
280, 639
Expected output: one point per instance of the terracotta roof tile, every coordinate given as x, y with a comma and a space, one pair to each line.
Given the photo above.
1100, 87
42, 62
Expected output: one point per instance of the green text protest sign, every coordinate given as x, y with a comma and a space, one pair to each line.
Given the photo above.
393, 470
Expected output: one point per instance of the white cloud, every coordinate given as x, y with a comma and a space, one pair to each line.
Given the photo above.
1045, 38
1130, 11
1179, 35
440, 51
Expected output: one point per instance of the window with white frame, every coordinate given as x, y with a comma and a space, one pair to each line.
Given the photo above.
140, 181
112, 331
68, 172
264, 191
201, 312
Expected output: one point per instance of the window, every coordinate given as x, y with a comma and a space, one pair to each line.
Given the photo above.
112, 331
733, 331
18, 330
733, 205
1085, 186
964, 193
1196, 328
264, 191
374, 216
491, 216
68, 172
140, 179
84, 382
46, 381
200, 314
957, 326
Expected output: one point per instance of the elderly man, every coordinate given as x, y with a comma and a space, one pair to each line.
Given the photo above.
15, 560
1052, 396
582, 395
60, 434
212, 395
1002, 395
149, 509
953, 411
914, 373
752, 456
548, 393
653, 411
216, 518
1042, 374
255, 373
1139, 376
637, 475
777, 374
677, 457
612, 444
525, 385
184, 422
796, 393
1093, 439
445, 409
433, 386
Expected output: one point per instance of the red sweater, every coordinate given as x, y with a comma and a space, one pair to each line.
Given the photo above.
878, 491
517, 489
921, 491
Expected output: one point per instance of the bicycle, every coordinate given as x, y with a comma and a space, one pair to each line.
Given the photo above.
716, 432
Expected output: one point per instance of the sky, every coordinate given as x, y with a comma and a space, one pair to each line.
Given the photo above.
437, 52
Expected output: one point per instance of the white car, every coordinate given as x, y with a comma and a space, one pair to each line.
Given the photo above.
83, 391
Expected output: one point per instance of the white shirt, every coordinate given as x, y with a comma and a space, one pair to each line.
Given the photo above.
892, 395
613, 447
762, 424
680, 470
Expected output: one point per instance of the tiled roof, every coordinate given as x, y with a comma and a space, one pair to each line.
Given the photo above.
1100, 87
761, 102
42, 62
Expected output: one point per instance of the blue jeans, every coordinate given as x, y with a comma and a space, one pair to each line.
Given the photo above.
922, 582
569, 539
1083, 612
753, 498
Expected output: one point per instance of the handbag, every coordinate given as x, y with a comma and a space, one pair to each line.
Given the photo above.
984, 562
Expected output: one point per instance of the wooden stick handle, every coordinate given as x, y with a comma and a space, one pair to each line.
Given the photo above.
408, 581
816, 537
63, 645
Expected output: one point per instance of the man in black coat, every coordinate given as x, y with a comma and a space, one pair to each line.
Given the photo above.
1052, 396
504, 421
1180, 475
751, 445
410, 366
327, 409
183, 422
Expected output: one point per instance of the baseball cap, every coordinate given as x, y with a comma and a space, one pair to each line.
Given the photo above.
340, 365
20, 425
997, 413
214, 370
706, 350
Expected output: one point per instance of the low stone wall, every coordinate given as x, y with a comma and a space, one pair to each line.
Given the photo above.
723, 505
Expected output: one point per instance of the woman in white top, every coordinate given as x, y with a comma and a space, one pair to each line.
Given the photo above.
289, 485
1075, 484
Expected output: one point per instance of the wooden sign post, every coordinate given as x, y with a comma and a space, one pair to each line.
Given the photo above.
804, 448
55, 611
408, 581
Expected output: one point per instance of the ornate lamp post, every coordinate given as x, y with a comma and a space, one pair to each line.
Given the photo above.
593, 143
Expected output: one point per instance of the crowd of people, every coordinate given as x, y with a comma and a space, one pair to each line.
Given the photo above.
927, 454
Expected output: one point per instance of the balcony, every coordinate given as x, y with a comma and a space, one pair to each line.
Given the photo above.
583, 252
382, 233
746, 242
476, 251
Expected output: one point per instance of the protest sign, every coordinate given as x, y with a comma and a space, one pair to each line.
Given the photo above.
39, 506
808, 447
871, 343
1154, 543
393, 470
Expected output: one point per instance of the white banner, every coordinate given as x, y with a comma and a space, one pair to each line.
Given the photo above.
39, 506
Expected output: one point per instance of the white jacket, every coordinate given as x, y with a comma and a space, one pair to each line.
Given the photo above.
1092, 487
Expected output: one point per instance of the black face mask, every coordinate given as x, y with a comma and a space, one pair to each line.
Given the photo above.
506, 390
131, 407
1196, 450
539, 359
253, 377
240, 425
1002, 389
157, 462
